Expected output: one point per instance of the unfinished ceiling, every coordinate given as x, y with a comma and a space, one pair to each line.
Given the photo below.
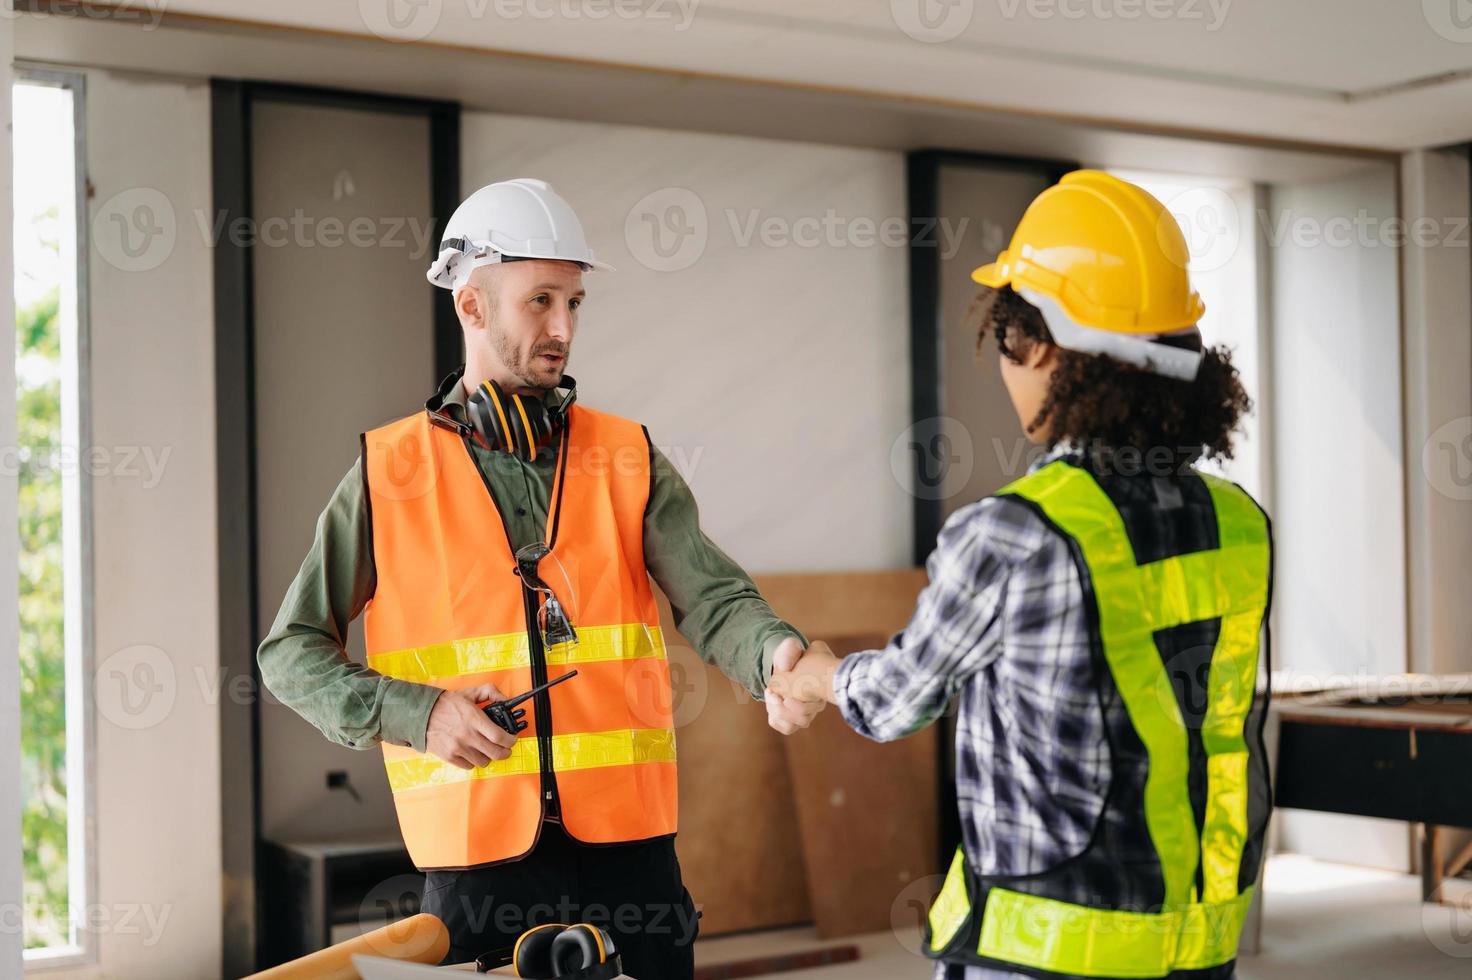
853, 72
1350, 72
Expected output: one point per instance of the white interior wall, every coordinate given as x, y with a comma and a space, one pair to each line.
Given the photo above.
1338, 454
1339, 588
774, 373
1437, 189
157, 766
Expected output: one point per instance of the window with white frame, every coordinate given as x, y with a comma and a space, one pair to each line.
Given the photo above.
54, 514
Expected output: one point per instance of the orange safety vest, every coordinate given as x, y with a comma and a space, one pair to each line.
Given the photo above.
449, 610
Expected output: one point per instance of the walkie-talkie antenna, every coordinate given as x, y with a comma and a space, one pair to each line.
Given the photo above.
500, 711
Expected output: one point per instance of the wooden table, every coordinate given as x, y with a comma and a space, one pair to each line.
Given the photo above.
1397, 748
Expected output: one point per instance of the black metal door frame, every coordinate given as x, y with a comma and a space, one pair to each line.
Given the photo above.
232, 101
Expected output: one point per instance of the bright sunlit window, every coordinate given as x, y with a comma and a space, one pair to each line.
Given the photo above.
54, 595
1218, 219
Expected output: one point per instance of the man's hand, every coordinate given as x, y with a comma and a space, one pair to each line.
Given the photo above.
787, 710
460, 733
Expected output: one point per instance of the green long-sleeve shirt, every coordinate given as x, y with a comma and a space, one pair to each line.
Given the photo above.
304, 662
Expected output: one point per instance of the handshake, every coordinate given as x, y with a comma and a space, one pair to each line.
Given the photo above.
801, 684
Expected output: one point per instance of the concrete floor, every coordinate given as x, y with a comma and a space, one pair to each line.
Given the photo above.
1321, 920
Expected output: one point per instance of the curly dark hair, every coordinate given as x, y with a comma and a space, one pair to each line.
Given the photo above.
1115, 410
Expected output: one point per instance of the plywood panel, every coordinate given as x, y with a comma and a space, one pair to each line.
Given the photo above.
745, 826
868, 816
839, 604
740, 851
867, 811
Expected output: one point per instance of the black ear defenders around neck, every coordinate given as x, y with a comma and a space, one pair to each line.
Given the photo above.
580, 952
516, 424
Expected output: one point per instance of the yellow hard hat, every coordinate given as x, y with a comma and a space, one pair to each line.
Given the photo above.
1107, 251
1108, 258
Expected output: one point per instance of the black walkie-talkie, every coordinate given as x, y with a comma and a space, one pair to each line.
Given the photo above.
500, 711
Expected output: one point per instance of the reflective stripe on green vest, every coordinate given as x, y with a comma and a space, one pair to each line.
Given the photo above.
1192, 930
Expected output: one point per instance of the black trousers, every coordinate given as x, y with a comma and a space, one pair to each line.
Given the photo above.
632, 890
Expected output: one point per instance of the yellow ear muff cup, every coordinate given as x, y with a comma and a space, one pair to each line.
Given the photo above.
532, 955
580, 948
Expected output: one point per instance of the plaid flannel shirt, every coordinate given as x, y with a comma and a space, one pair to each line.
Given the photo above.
1002, 622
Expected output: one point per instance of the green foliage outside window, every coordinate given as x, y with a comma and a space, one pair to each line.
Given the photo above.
42, 643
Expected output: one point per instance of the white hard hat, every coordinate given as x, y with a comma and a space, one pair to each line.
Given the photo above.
512, 219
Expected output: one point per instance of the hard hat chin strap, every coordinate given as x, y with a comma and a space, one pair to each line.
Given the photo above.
1145, 351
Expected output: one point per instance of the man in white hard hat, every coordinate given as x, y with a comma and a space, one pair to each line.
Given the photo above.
500, 540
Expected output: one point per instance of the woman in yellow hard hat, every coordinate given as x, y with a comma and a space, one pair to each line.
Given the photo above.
1102, 619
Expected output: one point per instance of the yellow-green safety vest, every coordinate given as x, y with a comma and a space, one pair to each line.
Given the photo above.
1029, 922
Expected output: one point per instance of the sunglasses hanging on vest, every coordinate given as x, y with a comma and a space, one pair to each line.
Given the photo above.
517, 424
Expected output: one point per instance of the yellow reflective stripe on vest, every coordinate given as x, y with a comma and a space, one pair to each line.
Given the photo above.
1133, 601
629, 641
1064, 938
585, 750
951, 907
1231, 686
